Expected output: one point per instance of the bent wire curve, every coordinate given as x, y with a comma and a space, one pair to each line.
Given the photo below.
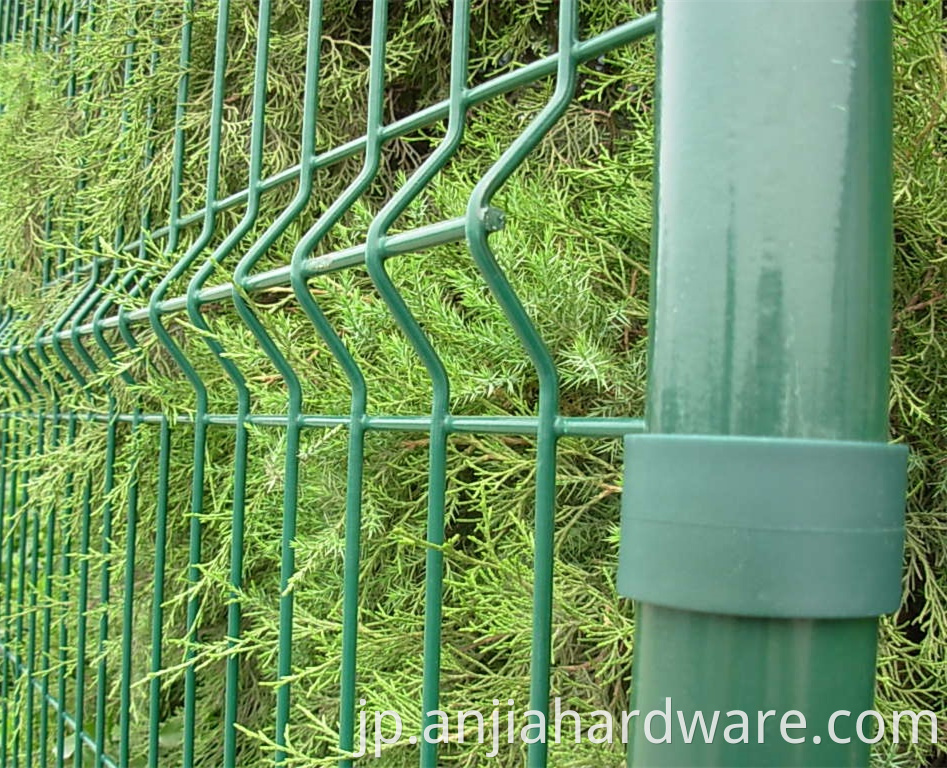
437, 469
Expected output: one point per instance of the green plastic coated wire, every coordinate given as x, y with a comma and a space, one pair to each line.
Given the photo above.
180, 359
79, 376
194, 310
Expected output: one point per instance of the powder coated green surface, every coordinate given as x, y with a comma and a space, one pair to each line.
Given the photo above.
770, 317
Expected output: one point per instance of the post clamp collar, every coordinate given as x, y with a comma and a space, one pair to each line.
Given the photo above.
768, 527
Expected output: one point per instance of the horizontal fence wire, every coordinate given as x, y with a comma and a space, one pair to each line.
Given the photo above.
70, 568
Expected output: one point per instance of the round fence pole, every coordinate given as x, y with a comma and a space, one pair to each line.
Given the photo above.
762, 528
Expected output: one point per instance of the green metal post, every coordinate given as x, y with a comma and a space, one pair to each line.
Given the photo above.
770, 319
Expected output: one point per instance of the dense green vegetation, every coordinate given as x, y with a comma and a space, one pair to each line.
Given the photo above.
576, 248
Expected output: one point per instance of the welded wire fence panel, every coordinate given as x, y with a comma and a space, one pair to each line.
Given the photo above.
139, 520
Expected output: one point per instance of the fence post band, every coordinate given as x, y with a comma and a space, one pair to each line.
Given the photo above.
770, 527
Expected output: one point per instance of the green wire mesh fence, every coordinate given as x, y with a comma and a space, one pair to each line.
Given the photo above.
74, 577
